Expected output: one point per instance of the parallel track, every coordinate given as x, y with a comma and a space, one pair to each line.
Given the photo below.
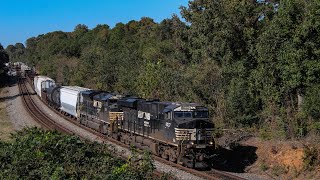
48, 123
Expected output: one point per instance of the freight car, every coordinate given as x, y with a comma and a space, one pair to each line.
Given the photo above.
70, 99
178, 132
41, 83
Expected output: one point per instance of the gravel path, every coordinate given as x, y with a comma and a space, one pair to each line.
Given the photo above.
250, 176
18, 115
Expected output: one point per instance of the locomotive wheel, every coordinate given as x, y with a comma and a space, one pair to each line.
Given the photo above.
164, 156
122, 137
172, 156
128, 140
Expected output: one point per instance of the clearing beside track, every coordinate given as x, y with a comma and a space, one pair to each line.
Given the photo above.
5, 124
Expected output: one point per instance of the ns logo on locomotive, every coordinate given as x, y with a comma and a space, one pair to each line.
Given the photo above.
178, 132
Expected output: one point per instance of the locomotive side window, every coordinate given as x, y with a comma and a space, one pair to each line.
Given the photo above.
200, 114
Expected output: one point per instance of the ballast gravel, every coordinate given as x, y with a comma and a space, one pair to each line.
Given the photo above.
17, 113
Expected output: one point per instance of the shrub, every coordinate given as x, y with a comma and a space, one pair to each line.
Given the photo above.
279, 170
310, 157
38, 154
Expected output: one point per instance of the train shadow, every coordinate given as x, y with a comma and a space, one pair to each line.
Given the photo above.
9, 97
235, 160
10, 82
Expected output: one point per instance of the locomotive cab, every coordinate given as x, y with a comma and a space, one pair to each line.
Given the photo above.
193, 134
193, 128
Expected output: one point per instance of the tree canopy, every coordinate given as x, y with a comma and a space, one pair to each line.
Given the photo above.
4, 58
253, 63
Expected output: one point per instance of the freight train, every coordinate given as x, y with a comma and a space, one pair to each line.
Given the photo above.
178, 132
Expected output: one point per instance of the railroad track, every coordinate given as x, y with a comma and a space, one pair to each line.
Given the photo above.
40, 117
48, 123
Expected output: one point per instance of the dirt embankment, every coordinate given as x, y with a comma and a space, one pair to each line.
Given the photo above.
241, 152
285, 159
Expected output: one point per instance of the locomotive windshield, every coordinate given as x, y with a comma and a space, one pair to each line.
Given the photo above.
199, 124
183, 114
191, 114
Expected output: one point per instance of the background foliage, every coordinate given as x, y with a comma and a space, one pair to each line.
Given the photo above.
4, 58
253, 63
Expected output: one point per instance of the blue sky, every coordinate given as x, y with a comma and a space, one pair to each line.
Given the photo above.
22, 19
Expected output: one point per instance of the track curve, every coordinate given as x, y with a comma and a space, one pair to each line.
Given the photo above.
41, 118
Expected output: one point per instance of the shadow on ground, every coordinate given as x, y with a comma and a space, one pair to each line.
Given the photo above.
10, 82
235, 160
9, 97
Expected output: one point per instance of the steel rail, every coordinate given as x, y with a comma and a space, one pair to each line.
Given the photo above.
40, 117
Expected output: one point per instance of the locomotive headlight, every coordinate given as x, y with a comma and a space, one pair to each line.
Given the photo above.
211, 142
192, 143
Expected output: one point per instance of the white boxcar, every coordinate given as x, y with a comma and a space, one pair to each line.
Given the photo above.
41, 83
70, 97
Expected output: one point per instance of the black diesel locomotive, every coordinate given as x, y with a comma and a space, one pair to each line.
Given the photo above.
178, 132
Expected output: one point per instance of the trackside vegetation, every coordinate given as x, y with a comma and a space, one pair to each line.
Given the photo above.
255, 64
4, 58
39, 154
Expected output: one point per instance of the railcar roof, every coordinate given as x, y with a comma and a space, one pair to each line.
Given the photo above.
103, 96
75, 88
44, 77
184, 106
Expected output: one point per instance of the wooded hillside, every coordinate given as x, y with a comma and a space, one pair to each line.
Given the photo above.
253, 63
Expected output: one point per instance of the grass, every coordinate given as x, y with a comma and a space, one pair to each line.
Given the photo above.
279, 170
264, 166
6, 127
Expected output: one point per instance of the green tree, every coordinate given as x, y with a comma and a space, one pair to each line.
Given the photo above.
4, 58
222, 35
288, 61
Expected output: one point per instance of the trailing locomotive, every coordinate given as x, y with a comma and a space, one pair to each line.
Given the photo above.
178, 132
